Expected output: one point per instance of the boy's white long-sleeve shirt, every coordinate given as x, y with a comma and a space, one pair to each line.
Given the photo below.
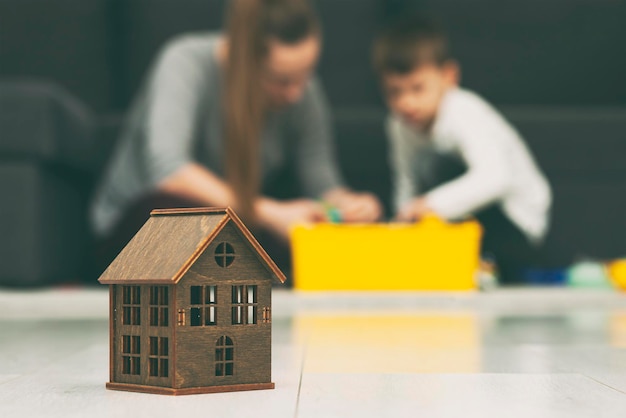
500, 168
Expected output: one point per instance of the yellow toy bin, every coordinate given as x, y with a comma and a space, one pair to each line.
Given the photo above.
617, 272
428, 255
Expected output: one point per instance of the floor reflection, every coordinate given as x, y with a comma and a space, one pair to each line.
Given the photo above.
618, 329
459, 341
371, 342
555, 329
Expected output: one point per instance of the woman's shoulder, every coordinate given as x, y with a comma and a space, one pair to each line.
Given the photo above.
188, 58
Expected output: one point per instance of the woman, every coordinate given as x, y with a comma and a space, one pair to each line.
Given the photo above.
218, 117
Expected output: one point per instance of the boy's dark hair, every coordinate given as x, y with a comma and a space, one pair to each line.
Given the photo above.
408, 43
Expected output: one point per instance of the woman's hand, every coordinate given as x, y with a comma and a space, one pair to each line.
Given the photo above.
355, 206
279, 216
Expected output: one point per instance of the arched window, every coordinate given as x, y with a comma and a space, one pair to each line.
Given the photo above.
224, 254
224, 357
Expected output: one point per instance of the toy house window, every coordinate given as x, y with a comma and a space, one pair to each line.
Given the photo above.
244, 305
224, 254
224, 357
130, 354
159, 306
131, 305
203, 306
158, 357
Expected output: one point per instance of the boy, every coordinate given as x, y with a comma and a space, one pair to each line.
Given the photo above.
452, 153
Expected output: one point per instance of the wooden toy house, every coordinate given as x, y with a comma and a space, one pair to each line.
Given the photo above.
190, 306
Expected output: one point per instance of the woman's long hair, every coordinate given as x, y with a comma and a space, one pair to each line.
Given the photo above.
250, 25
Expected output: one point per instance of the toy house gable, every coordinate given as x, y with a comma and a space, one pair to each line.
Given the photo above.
191, 306
172, 240
230, 256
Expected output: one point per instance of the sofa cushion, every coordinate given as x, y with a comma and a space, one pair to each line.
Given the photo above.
43, 224
40, 121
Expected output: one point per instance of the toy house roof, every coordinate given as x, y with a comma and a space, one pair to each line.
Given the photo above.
171, 241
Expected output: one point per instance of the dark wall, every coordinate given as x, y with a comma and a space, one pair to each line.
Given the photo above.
583, 153
556, 52
145, 25
67, 41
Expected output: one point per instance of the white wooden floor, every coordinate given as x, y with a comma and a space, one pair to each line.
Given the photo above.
512, 353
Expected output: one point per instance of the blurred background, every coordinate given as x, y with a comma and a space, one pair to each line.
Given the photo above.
70, 68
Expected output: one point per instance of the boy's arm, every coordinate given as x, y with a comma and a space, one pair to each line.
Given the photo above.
487, 179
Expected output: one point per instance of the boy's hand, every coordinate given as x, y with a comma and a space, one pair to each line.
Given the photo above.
414, 210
